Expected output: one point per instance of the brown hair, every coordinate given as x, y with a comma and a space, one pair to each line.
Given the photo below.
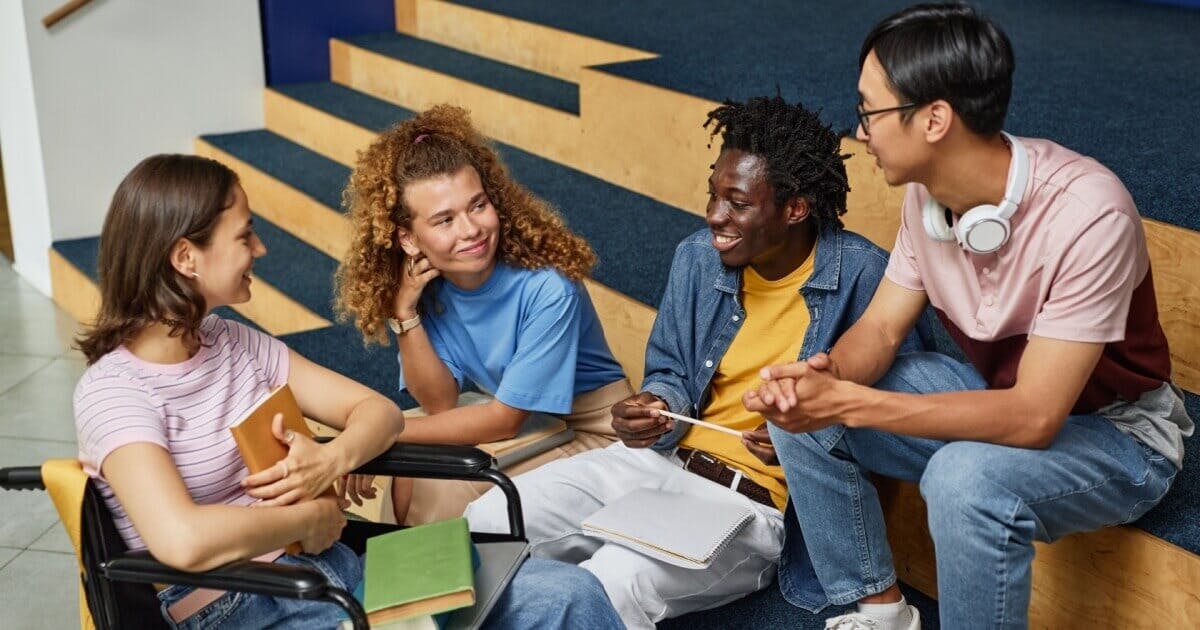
163, 199
439, 141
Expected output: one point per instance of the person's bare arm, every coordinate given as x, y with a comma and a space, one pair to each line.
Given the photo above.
866, 350
1050, 377
472, 424
426, 377
370, 424
191, 537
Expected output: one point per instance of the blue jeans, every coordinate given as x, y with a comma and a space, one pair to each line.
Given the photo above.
340, 565
551, 594
987, 503
543, 594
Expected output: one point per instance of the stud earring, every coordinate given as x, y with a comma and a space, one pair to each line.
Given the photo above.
195, 275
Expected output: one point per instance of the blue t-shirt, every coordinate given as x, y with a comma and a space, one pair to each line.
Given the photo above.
514, 336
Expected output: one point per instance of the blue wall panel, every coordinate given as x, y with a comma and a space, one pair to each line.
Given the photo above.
296, 33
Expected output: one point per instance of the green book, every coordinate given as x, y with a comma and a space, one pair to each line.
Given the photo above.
417, 571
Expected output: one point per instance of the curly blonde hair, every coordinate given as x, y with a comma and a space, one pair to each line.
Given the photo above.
439, 141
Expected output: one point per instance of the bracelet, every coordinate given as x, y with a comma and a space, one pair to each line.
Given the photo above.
401, 327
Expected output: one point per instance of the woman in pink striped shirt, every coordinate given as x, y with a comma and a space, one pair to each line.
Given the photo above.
167, 379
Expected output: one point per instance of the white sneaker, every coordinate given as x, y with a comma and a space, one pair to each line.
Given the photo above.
860, 621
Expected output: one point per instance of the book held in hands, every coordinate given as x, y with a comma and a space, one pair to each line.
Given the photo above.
258, 445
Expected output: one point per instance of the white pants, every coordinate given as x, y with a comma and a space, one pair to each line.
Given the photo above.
558, 496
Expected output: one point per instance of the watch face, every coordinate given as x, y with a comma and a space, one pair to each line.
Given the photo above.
394, 325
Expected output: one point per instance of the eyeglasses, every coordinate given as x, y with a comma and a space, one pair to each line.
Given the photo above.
864, 117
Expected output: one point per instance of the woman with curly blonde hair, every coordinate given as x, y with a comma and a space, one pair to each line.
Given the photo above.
479, 280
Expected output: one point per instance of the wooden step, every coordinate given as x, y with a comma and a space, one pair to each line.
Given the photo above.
543, 49
549, 131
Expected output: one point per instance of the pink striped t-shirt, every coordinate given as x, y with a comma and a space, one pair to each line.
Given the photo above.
186, 408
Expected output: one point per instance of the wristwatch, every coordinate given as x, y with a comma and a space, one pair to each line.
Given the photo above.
401, 327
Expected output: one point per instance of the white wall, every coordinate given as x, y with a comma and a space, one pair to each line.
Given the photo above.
83, 102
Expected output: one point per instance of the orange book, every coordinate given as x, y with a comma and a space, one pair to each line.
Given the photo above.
254, 439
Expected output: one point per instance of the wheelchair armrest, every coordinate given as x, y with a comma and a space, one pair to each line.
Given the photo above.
429, 461
22, 478
247, 576
443, 461
244, 576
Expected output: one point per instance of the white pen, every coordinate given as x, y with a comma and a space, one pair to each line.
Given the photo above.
715, 427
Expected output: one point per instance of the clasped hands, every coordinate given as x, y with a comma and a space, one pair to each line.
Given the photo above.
798, 397
306, 473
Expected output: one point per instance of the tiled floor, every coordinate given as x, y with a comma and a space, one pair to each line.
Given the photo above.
38, 371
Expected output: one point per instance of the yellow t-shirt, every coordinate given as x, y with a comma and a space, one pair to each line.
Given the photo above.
776, 321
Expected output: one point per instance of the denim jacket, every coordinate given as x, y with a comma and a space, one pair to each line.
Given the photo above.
701, 313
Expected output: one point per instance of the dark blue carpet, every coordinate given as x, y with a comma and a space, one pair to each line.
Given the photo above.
768, 609
1114, 79
366, 111
1175, 519
84, 253
340, 348
531, 86
311, 173
298, 269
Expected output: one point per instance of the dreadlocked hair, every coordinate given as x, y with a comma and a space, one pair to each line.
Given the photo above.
437, 142
803, 155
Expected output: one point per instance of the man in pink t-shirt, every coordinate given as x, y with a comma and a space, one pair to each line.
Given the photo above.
1033, 257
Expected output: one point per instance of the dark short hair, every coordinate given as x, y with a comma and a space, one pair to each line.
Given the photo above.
948, 52
803, 155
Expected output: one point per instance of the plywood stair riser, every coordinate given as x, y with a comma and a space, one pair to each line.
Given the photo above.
526, 45
72, 290
1118, 577
307, 219
551, 133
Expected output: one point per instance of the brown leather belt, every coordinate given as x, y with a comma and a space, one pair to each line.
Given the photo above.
714, 470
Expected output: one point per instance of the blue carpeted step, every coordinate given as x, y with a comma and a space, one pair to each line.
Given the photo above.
311, 173
336, 99
525, 84
298, 269
341, 349
604, 214
1128, 58
84, 253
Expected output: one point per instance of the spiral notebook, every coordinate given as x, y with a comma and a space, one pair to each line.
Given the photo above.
678, 529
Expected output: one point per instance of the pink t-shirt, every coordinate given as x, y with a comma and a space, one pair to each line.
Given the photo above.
1075, 268
185, 408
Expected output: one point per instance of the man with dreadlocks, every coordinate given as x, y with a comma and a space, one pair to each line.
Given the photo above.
773, 278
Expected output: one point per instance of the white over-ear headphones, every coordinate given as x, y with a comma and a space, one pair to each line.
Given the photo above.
982, 229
